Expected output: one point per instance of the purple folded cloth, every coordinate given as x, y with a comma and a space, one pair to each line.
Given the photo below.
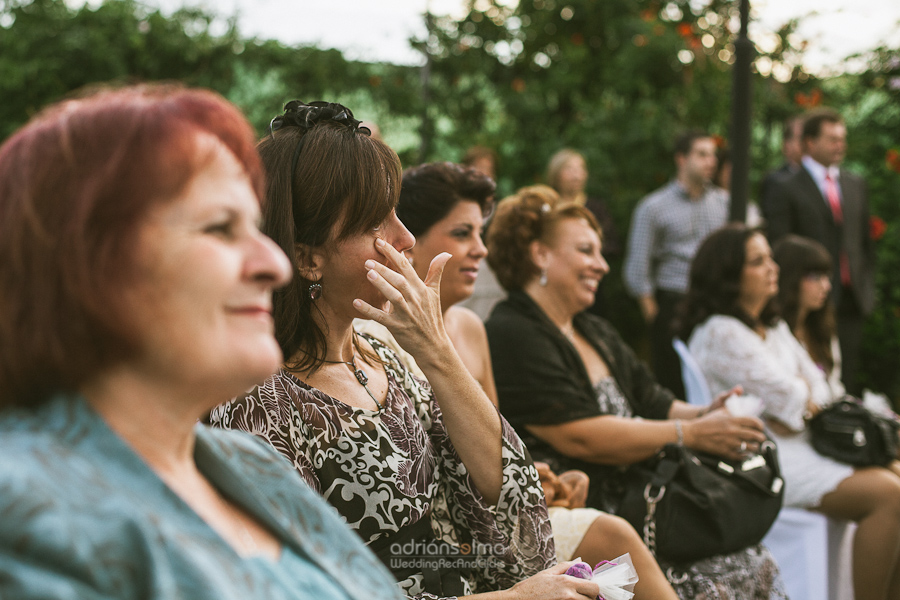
582, 570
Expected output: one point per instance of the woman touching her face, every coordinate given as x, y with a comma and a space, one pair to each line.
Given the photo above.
403, 459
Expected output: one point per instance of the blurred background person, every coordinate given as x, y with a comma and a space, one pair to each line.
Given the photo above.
804, 286
482, 159
666, 229
737, 338
137, 295
825, 202
791, 150
722, 179
567, 173
487, 291
579, 396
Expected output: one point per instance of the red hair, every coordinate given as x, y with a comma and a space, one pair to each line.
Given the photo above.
75, 184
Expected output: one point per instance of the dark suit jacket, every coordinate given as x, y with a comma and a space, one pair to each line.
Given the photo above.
771, 178
796, 205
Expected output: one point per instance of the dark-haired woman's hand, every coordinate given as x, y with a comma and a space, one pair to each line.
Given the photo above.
414, 317
416, 321
720, 433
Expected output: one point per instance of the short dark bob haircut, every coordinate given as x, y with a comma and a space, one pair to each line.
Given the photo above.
430, 191
530, 214
75, 184
715, 281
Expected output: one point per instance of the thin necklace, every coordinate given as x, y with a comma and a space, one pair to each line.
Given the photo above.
361, 376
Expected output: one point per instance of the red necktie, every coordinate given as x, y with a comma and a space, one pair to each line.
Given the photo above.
834, 200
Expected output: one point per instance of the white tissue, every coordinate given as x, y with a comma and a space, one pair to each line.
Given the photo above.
616, 578
746, 405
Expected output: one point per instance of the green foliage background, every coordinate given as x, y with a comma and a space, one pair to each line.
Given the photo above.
615, 79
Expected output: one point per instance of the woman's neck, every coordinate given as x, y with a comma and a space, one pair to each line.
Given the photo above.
753, 309
800, 331
338, 335
155, 418
579, 197
554, 307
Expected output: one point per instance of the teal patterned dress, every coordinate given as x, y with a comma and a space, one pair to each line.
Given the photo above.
83, 517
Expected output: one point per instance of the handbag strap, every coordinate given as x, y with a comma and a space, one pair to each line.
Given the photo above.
666, 469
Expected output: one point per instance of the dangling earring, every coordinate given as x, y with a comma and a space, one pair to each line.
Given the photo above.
315, 291
543, 280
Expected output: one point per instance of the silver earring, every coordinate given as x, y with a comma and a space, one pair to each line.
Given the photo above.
543, 280
315, 291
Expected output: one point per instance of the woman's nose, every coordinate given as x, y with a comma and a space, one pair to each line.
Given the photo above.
479, 250
398, 236
267, 262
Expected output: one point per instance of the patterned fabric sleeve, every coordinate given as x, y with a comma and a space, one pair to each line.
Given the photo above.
513, 536
261, 413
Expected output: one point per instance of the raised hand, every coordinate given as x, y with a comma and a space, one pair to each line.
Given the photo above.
414, 316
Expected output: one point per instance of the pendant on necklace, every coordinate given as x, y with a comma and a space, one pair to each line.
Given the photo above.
361, 376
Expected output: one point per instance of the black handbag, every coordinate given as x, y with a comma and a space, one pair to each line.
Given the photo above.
849, 432
691, 505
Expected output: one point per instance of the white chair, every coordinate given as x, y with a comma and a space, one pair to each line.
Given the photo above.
695, 387
812, 551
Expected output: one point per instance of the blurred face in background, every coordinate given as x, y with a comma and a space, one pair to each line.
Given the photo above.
458, 233
814, 290
572, 177
830, 147
791, 147
698, 166
759, 278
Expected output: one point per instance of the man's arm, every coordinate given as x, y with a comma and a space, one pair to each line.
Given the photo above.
636, 272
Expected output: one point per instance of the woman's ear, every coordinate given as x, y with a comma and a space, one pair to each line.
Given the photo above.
539, 254
310, 262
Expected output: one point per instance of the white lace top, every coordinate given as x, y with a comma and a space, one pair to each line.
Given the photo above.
777, 369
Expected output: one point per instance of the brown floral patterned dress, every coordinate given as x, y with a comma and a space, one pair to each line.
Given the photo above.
386, 470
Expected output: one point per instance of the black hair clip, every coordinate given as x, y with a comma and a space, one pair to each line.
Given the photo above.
306, 116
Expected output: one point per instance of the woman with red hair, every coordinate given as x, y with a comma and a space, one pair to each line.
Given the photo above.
136, 295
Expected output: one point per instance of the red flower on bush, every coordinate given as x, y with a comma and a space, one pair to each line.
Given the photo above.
877, 227
892, 158
685, 30
811, 100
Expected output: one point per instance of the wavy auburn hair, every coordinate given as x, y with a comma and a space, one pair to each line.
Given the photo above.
530, 214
